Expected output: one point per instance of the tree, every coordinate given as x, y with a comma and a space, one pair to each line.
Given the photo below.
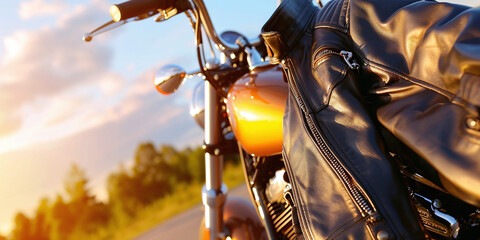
152, 176
178, 162
76, 185
63, 219
196, 164
23, 228
41, 223
152, 173
122, 193
80, 214
89, 213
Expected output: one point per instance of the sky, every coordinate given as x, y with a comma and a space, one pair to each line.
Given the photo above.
64, 101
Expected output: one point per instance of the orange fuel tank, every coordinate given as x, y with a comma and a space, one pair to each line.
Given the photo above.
255, 107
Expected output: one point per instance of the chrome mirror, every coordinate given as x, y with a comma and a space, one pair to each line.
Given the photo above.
168, 78
231, 37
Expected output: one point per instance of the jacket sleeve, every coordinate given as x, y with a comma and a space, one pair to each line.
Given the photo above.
437, 44
426, 59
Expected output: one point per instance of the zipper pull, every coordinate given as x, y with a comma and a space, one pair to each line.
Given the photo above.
288, 195
347, 56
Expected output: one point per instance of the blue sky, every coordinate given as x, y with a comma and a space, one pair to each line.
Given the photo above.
63, 101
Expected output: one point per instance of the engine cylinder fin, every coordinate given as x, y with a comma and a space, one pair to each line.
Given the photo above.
281, 214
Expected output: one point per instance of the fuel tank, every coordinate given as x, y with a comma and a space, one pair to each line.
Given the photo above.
255, 107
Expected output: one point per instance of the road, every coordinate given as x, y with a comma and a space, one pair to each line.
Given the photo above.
185, 226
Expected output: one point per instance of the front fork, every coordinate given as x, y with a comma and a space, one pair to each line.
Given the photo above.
214, 191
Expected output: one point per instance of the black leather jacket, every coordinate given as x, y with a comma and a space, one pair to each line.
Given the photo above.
360, 71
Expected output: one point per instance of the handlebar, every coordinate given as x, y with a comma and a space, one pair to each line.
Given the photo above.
139, 9
134, 8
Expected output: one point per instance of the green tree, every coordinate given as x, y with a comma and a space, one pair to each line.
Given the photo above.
152, 173
122, 193
178, 162
152, 176
196, 164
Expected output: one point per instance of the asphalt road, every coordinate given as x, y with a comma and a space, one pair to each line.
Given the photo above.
185, 226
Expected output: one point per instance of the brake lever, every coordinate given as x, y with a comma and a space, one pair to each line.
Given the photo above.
87, 37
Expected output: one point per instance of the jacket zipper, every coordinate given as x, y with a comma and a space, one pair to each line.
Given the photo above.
359, 196
322, 53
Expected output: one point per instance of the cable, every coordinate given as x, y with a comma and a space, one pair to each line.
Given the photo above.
199, 43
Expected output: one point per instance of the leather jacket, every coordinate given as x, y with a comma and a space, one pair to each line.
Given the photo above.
368, 80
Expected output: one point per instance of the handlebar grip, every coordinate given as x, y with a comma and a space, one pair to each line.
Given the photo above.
134, 8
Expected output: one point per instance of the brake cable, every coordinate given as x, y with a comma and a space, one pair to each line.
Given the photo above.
199, 41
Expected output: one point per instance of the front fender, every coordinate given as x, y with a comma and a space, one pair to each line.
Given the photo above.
241, 221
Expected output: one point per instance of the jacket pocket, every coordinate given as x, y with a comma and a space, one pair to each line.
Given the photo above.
329, 67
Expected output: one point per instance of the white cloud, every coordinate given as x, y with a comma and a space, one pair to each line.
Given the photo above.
37, 8
111, 83
42, 64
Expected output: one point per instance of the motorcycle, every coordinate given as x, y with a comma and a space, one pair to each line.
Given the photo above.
241, 106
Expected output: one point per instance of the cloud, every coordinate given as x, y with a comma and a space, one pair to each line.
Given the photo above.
9, 123
43, 64
36, 8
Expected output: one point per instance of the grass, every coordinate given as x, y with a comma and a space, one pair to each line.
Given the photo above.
185, 197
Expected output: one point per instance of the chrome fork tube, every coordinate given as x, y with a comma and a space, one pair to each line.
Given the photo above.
213, 193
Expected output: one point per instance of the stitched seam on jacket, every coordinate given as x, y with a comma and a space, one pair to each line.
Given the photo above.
308, 107
329, 92
331, 26
338, 234
347, 15
291, 41
409, 78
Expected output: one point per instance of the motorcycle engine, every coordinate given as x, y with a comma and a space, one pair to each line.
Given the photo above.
278, 208
443, 215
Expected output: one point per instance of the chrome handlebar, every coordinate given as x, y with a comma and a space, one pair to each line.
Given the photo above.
205, 20
210, 30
